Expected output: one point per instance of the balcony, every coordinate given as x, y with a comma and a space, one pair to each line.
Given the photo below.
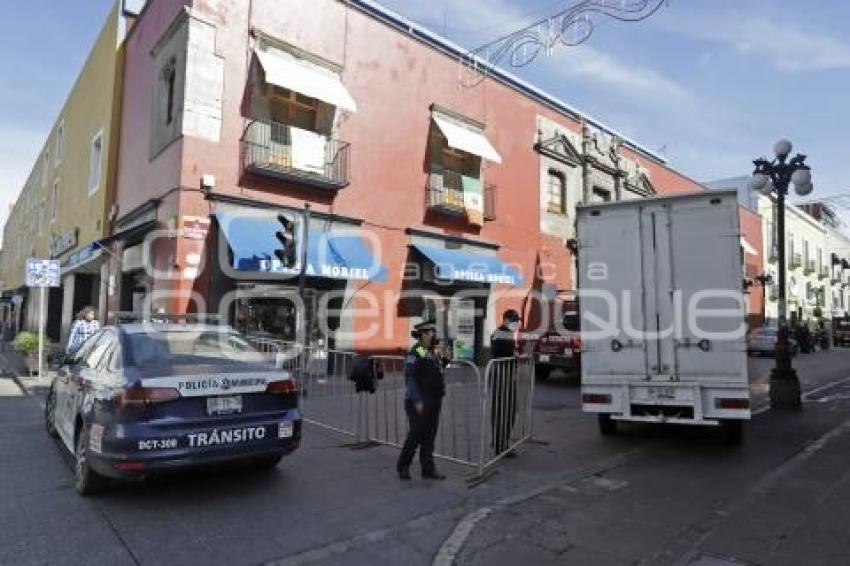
454, 194
271, 149
773, 254
810, 267
795, 261
823, 273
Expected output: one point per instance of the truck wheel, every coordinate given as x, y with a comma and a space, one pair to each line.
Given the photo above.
733, 431
541, 373
607, 425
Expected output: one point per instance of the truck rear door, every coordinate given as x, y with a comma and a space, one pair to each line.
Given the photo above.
611, 285
707, 273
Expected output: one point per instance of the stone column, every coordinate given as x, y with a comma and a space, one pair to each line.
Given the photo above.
68, 287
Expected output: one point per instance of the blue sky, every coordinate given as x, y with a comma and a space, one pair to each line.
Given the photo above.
714, 82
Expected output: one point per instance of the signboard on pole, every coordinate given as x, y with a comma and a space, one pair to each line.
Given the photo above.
42, 272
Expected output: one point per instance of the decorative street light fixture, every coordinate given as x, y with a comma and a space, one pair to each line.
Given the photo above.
773, 178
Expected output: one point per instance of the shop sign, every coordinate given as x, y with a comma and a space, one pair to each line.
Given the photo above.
63, 242
195, 227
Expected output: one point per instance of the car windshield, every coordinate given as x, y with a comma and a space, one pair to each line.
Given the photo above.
190, 348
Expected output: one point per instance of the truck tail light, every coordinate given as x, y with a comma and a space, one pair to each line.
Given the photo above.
140, 397
283, 387
721, 403
596, 399
575, 345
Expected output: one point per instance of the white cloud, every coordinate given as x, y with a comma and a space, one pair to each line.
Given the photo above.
631, 80
786, 46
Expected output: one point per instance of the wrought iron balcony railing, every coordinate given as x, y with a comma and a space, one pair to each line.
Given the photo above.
795, 261
453, 193
810, 267
295, 155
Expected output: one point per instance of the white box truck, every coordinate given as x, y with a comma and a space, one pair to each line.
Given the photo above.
660, 286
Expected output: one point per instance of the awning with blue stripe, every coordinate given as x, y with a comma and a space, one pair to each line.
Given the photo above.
333, 252
464, 265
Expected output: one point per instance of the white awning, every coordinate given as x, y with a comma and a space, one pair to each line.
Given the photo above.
287, 71
748, 247
467, 139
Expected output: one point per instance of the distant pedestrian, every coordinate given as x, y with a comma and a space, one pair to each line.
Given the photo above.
424, 390
82, 329
503, 386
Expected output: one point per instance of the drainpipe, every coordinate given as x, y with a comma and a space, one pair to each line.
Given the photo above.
585, 163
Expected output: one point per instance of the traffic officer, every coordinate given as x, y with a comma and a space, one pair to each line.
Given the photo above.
423, 396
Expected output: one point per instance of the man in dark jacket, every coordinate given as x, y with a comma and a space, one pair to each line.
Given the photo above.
502, 386
423, 396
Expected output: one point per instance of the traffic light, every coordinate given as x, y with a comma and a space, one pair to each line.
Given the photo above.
287, 252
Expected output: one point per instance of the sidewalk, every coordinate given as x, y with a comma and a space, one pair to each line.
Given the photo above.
13, 366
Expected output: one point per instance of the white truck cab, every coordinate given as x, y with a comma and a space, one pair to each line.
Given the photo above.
660, 284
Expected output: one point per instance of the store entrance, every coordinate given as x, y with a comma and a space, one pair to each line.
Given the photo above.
273, 312
460, 321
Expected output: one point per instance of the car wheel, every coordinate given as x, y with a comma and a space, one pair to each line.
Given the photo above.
267, 462
86, 481
50, 413
733, 431
607, 425
541, 373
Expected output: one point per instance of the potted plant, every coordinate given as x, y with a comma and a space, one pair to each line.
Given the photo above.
27, 344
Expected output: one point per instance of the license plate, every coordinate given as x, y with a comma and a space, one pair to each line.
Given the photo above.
544, 357
662, 392
224, 405
284, 429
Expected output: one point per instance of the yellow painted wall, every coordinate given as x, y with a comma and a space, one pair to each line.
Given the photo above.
91, 107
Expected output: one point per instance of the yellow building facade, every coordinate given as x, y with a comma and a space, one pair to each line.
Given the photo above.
63, 210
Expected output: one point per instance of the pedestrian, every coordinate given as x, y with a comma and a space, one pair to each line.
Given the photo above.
423, 397
83, 328
503, 386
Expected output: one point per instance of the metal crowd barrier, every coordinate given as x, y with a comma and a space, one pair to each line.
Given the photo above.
485, 415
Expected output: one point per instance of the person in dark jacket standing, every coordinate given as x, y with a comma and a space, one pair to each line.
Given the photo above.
423, 397
503, 387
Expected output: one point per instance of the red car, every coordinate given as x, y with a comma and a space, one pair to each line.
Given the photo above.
560, 346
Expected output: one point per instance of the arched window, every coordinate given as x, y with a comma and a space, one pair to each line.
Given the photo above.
557, 192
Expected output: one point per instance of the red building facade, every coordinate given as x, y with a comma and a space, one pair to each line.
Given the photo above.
430, 196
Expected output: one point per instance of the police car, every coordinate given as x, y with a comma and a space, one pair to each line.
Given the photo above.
141, 398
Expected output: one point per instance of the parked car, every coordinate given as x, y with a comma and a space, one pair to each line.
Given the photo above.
762, 341
841, 331
141, 398
560, 346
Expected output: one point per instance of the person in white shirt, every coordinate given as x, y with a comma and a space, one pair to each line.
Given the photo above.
82, 329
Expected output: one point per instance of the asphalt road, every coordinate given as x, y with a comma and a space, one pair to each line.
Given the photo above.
650, 495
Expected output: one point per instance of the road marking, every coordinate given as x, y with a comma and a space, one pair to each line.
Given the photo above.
452, 545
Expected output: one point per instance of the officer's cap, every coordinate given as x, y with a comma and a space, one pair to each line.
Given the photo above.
426, 326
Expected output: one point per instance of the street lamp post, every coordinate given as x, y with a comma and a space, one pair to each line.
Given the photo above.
773, 178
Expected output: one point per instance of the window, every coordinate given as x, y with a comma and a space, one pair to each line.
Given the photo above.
557, 193
54, 201
60, 141
95, 162
45, 171
169, 79
601, 195
294, 109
